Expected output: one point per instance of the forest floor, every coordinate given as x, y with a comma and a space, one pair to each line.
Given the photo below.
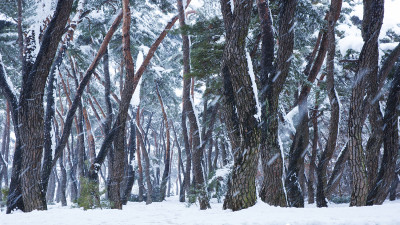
172, 211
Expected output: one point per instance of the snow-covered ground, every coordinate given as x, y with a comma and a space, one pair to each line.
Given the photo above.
173, 212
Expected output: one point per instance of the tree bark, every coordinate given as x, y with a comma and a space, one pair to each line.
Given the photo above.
235, 69
387, 172
167, 158
146, 159
130, 179
30, 113
272, 80
326, 156
367, 65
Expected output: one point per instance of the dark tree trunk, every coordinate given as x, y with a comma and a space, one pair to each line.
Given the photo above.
146, 160
167, 156
140, 168
311, 169
393, 188
223, 152
272, 80
189, 112
30, 113
326, 156
14, 199
337, 172
51, 188
390, 138
367, 66
296, 159
209, 156
131, 172
241, 191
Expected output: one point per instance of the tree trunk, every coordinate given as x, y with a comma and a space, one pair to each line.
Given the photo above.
367, 65
189, 112
393, 188
167, 155
31, 113
130, 179
235, 68
140, 168
390, 138
311, 169
326, 156
272, 80
146, 159
51, 188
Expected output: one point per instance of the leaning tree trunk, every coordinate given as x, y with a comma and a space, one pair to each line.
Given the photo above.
119, 126
334, 103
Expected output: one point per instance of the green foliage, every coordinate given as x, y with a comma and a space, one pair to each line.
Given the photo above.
216, 186
207, 46
4, 191
193, 194
90, 195
340, 199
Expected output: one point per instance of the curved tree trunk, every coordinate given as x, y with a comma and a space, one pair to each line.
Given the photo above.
235, 69
334, 103
31, 112
272, 80
367, 66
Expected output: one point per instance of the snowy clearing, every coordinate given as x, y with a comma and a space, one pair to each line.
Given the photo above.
173, 212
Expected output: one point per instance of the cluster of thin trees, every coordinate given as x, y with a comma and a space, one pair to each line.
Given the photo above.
43, 116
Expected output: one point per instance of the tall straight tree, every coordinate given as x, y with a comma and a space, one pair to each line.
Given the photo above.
185, 102
188, 111
119, 126
167, 156
238, 87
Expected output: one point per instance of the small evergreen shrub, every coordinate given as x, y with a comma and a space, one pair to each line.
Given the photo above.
90, 195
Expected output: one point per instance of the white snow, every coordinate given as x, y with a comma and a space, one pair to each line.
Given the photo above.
9, 83
172, 211
352, 35
289, 118
136, 95
254, 85
196, 113
232, 6
44, 10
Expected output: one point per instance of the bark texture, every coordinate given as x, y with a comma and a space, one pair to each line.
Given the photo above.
327, 154
272, 79
241, 185
367, 66
390, 137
